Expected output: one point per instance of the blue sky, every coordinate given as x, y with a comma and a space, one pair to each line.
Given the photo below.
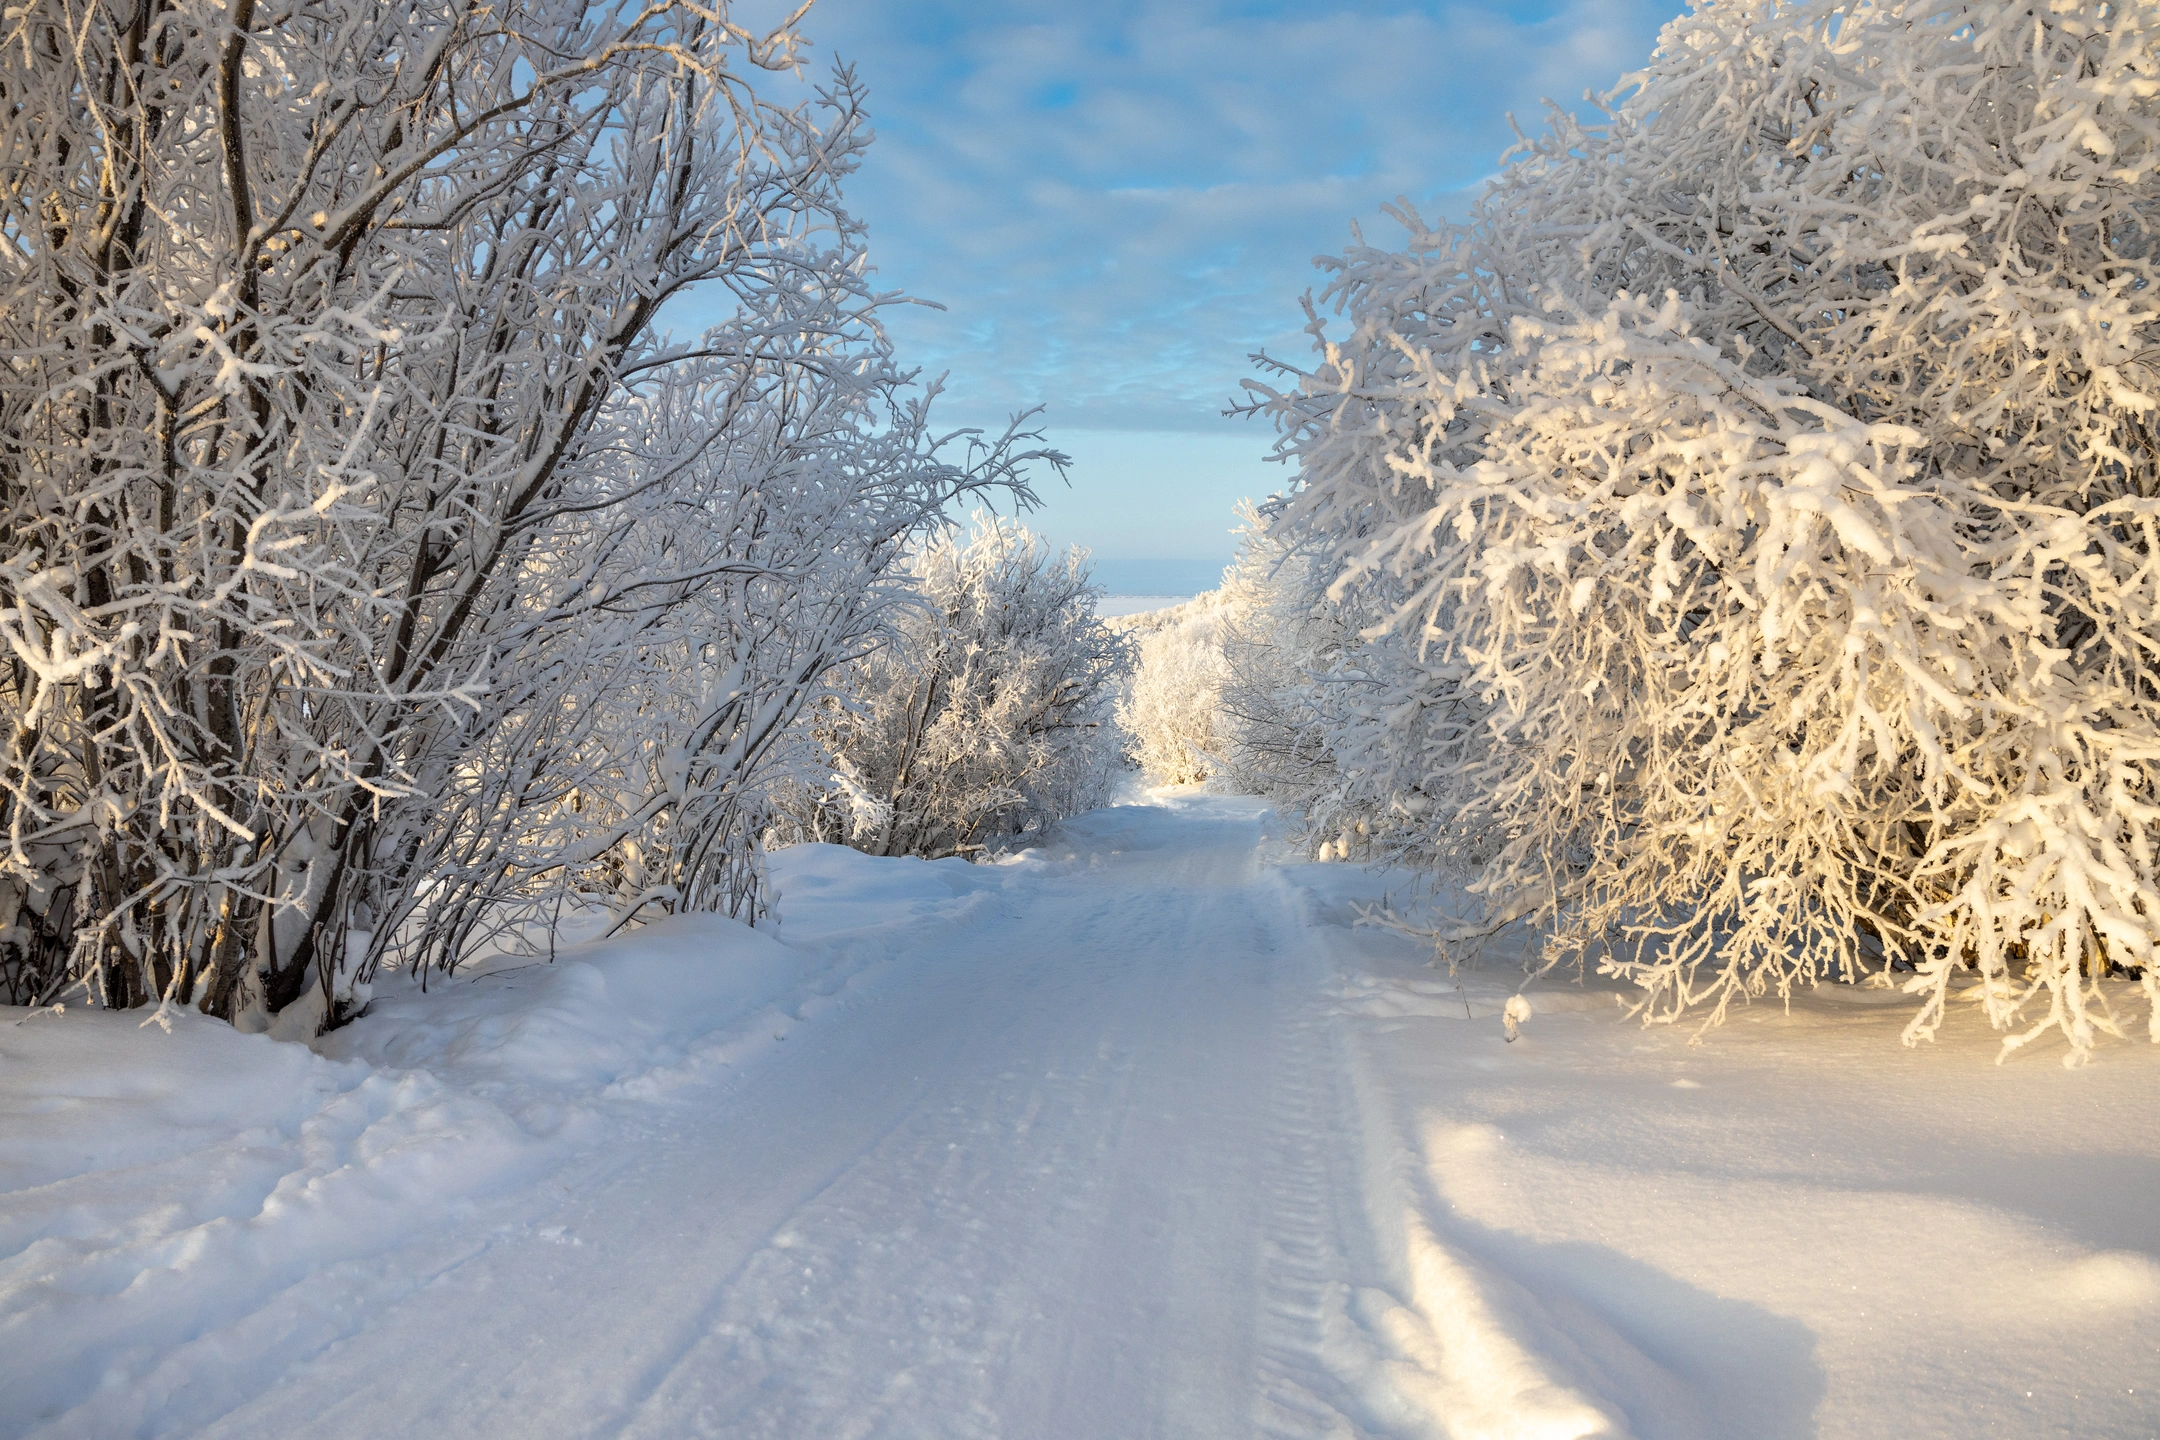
1117, 202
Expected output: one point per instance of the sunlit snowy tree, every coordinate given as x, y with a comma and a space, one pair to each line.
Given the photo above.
1749, 515
1284, 652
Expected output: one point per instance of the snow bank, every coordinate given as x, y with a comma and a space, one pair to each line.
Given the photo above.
543, 1037
205, 1174
201, 1173
186, 1213
830, 893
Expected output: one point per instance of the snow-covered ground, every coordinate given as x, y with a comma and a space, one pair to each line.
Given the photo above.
1132, 1135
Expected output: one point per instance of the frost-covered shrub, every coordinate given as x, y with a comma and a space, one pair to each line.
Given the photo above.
1223, 687
987, 714
1295, 675
1748, 519
1281, 643
1169, 709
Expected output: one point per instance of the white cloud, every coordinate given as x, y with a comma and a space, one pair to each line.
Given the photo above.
1118, 201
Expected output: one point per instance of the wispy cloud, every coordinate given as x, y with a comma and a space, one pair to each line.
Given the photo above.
1118, 201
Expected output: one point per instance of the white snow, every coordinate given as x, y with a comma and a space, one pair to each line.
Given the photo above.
1131, 1135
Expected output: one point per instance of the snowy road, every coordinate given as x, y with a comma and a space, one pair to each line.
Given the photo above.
1021, 1191
1132, 1137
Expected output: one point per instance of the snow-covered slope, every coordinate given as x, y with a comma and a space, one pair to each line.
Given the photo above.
185, 1213
1131, 1135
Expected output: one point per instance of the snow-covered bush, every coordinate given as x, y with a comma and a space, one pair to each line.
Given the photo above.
1169, 709
985, 717
1221, 686
357, 505
1282, 643
1748, 517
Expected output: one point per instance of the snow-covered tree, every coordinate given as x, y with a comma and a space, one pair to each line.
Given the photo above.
351, 489
1222, 686
1283, 651
640, 746
1170, 706
1748, 517
986, 716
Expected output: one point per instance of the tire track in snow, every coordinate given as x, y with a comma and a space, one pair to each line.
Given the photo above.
1378, 1326
1041, 1244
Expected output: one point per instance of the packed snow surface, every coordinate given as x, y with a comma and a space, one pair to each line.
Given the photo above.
1133, 1135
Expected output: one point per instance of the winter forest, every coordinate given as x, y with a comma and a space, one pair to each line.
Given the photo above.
458, 708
